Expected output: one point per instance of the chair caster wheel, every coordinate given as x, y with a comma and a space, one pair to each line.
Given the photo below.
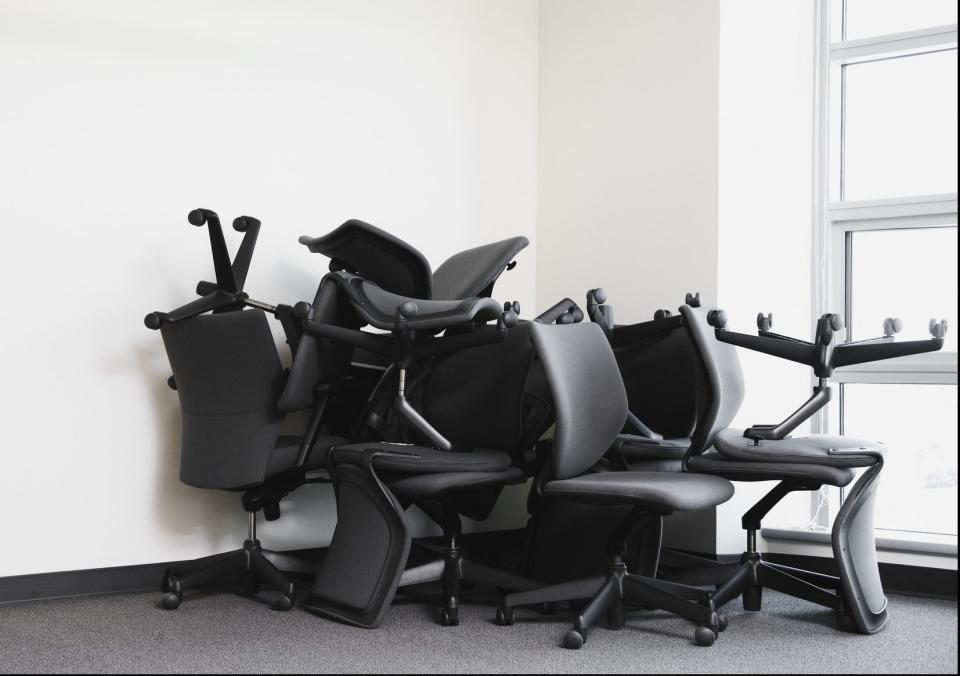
573, 640
170, 601
450, 617
704, 636
282, 603
722, 622
505, 617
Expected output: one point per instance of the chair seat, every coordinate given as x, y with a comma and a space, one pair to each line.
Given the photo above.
660, 491
819, 449
410, 488
287, 448
739, 470
423, 460
652, 455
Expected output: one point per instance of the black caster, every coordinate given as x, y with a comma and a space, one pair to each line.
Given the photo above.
171, 601
722, 622
704, 636
282, 603
505, 617
573, 640
450, 617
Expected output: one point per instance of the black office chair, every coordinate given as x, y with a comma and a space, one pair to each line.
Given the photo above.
591, 408
768, 453
233, 395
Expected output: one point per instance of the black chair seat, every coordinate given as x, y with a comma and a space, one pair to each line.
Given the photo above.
410, 488
652, 455
287, 449
739, 470
423, 460
814, 449
658, 490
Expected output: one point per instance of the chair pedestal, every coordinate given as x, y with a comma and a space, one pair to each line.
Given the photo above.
249, 567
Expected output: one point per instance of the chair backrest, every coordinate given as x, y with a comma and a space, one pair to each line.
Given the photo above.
661, 377
228, 377
722, 379
320, 360
473, 272
588, 394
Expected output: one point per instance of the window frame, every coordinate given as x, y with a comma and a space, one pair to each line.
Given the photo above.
836, 220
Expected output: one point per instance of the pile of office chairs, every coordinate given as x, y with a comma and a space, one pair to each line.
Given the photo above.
420, 389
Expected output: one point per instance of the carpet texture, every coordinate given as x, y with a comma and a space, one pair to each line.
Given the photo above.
219, 632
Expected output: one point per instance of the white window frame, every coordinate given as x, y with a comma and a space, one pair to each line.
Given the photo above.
835, 221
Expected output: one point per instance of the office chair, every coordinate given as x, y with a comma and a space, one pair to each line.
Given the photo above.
233, 396
591, 409
377, 480
768, 453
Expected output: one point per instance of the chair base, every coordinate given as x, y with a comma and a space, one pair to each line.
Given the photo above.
608, 597
457, 571
248, 566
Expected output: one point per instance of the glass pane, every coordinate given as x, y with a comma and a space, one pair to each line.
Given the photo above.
900, 126
918, 425
867, 18
910, 274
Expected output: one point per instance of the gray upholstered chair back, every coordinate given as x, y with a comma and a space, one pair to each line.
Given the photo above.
588, 394
228, 377
722, 379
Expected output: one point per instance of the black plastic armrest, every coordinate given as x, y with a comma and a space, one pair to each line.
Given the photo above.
631, 333
792, 350
861, 353
559, 309
376, 343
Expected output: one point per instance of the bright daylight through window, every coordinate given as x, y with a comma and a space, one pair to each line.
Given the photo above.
889, 147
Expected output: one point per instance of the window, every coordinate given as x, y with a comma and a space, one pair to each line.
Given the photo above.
887, 132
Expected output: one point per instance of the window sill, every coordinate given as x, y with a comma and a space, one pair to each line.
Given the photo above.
887, 540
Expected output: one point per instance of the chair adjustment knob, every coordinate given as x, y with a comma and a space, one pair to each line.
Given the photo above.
693, 299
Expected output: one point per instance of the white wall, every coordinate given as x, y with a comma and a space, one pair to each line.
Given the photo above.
118, 117
627, 188
766, 215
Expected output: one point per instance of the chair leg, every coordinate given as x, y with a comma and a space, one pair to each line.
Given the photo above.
565, 591
743, 581
263, 570
778, 580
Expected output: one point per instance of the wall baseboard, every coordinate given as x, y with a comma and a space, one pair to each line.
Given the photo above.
897, 579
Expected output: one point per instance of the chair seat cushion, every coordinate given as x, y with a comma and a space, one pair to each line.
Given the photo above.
656, 490
423, 460
819, 449
287, 448
652, 455
739, 470
416, 487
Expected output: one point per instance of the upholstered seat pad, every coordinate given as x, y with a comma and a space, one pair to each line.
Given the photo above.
644, 448
658, 490
819, 449
412, 459
738, 470
416, 487
287, 448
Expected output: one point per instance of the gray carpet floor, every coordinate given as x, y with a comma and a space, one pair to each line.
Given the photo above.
218, 632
